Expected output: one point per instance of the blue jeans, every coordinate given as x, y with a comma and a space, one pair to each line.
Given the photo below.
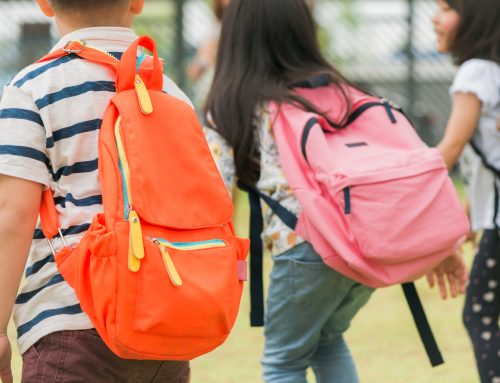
309, 306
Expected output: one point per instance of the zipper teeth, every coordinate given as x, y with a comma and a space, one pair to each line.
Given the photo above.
191, 245
113, 57
123, 161
109, 54
126, 203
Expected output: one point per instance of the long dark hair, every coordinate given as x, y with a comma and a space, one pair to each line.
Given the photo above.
478, 32
266, 47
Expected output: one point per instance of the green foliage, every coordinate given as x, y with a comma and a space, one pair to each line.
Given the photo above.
348, 19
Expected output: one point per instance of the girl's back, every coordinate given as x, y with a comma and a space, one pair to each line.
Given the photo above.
266, 48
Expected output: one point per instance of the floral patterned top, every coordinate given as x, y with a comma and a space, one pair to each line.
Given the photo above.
277, 237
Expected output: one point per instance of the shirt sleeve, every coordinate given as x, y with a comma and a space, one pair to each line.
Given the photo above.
478, 77
224, 158
23, 151
171, 88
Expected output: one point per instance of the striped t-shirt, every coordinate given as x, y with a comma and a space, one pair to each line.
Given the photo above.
50, 115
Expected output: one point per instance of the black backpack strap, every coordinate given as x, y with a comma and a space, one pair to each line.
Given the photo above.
495, 171
424, 329
496, 205
481, 155
282, 212
256, 247
257, 286
256, 261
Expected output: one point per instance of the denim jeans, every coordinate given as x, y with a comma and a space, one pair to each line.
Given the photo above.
309, 306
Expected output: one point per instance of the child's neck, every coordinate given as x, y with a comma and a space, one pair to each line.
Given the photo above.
65, 27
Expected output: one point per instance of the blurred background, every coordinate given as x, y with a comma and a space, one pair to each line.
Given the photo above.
386, 46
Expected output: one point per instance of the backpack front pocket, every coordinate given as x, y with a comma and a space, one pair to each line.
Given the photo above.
183, 288
399, 219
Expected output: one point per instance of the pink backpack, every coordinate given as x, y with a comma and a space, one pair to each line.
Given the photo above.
377, 203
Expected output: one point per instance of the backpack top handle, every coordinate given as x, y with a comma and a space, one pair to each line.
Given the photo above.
127, 65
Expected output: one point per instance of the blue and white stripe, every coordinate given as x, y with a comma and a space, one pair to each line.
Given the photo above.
50, 115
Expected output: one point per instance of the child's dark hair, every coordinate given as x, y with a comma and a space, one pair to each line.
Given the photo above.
80, 5
266, 47
478, 32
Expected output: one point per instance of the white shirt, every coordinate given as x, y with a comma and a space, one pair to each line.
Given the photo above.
482, 78
277, 237
50, 116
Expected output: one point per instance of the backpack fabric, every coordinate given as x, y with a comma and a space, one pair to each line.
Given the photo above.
378, 204
160, 271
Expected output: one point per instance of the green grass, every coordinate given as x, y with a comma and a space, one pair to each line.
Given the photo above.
382, 337
383, 340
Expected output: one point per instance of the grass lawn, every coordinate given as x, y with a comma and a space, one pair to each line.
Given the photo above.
383, 340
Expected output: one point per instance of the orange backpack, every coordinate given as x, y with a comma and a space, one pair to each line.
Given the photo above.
160, 272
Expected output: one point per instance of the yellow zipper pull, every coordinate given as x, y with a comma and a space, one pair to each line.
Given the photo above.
143, 95
134, 264
135, 235
169, 264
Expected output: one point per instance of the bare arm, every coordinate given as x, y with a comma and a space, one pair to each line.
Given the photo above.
204, 59
461, 126
19, 206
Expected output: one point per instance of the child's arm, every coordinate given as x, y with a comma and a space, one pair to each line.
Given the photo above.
461, 125
464, 117
205, 57
19, 206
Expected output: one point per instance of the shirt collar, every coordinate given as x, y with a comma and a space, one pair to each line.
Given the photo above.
105, 38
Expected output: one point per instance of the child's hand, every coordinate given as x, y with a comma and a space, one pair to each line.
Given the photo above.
5, 358
455, 271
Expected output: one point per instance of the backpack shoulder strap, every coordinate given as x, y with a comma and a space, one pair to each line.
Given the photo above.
282, 212
81, 49
422, 323
127, 67
256, 246
495, 171
485, 162
256, 257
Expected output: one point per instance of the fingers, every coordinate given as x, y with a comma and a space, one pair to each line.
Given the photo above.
452, 284
461, 274
442, 286
430, 279
461, 285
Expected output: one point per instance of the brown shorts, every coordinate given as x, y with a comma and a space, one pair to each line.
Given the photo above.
81, 356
